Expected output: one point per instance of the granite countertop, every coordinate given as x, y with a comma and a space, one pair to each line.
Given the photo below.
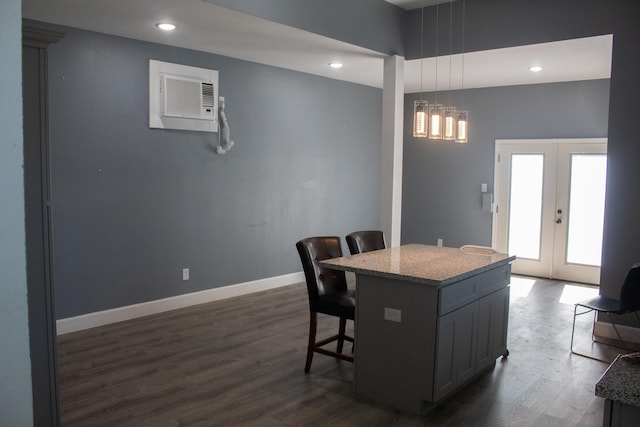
432, 265
621, 381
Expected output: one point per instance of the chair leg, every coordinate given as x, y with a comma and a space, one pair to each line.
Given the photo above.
593, 325
573, 329
341, 331
575, 314
593, 336
313, 325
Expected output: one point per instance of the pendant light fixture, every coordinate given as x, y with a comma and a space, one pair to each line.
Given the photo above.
420, 118
436, 121
449, 133
421, 107
462, 124
462, 118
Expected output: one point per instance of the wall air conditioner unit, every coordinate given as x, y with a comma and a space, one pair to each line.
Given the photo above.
186, 97
182, 97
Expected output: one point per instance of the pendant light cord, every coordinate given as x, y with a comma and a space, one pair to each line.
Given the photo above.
450, 46
462, 82
421, 47
437, 34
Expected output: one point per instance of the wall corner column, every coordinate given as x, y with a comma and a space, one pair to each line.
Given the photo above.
391, 153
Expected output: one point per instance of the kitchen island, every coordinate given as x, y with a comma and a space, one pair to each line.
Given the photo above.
620, 386
428, 321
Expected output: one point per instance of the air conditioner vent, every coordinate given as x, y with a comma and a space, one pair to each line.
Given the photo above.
207, 95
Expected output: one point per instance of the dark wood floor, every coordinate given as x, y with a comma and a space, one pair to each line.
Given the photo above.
240, 362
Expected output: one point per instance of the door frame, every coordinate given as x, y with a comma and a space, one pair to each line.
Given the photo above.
499, 143
38, 228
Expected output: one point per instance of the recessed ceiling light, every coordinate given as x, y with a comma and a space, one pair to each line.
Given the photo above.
166, 26
535, 68
335, 64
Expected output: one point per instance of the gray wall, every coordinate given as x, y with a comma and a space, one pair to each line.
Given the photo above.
15, 375
132, 206
441, 181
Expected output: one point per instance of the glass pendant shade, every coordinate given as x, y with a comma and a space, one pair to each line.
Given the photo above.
435, 121
462, 127
420, 118
449, 130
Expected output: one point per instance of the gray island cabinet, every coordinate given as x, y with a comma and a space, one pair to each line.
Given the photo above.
428, 321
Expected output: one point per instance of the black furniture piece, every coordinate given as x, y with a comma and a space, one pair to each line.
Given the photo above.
365, 241
629, 302
328, 294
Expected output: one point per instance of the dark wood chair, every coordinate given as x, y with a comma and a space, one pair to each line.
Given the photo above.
629, 302
365, 241
328, 294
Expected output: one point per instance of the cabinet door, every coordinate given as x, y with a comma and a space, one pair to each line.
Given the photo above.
455, 349
493, 317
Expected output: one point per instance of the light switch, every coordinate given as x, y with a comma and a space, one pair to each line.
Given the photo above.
484, 187
392, 314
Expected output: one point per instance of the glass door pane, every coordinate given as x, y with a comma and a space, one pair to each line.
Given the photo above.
525, 205
586, 209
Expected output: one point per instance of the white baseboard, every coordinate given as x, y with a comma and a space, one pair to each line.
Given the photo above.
627, 333
99, 318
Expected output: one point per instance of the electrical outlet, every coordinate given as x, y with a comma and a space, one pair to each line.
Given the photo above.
392, 314
185, 274
440, 242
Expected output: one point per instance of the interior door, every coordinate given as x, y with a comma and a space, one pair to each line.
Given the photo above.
549, 207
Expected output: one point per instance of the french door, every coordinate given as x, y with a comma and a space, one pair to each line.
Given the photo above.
549, 208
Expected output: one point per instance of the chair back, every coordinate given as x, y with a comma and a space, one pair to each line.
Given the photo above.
365, 241
321, 281
630, 291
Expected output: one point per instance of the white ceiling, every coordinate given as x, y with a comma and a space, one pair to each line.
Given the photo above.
209, 28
